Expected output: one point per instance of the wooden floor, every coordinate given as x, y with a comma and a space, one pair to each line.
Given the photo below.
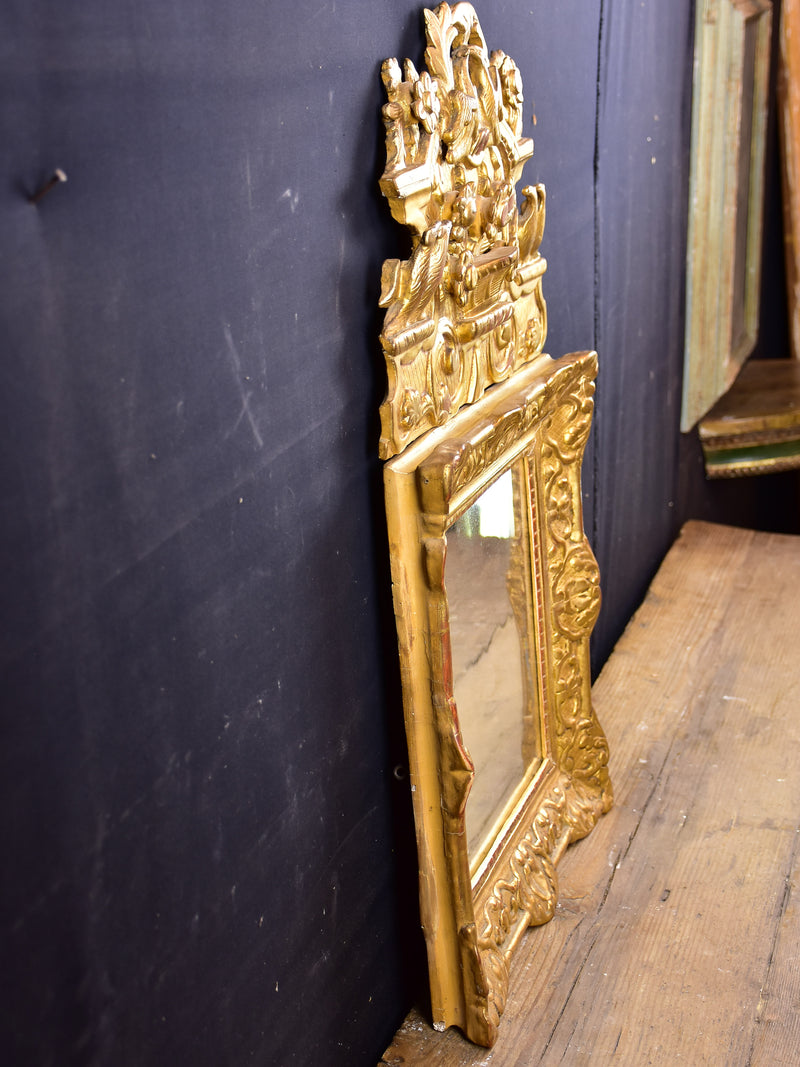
677, 935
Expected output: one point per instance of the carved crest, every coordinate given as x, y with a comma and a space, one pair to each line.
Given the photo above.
466, 309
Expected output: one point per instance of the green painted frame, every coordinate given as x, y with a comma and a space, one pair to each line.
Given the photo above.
726, 197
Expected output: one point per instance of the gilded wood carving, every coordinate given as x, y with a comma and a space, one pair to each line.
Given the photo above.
473, 404
466, 309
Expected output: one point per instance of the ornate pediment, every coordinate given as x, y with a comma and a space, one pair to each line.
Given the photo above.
466, 309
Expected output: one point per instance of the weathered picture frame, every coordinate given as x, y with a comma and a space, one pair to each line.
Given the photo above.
726, 197
788, 100
474, 402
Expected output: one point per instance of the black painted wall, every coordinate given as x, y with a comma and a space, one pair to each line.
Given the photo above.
648, 479
207, 856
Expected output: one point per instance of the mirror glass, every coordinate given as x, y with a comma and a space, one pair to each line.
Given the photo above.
485, 563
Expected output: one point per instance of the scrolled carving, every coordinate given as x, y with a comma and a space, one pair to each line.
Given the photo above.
569, 685
525, 887
576, 599
454, 155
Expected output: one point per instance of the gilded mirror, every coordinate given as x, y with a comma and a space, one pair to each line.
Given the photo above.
496, 589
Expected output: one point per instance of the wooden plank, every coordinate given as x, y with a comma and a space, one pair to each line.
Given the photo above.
778, 1034
683, 944
674, 936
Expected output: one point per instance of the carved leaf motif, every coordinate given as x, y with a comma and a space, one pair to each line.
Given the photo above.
440, 32
569, 685
531, 227
538, 887
426, 270
413, 408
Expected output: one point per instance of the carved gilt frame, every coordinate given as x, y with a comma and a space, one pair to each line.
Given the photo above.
726, 196
471, 396
538, 422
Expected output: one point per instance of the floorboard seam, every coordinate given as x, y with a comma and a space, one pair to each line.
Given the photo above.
785, 897
567, 999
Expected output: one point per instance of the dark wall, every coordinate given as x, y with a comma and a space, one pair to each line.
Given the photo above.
198, 858
648, 479
207, 856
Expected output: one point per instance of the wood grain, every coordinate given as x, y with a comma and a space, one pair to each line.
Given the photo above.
674, 939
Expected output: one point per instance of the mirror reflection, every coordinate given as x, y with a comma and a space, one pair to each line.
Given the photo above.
484, 567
